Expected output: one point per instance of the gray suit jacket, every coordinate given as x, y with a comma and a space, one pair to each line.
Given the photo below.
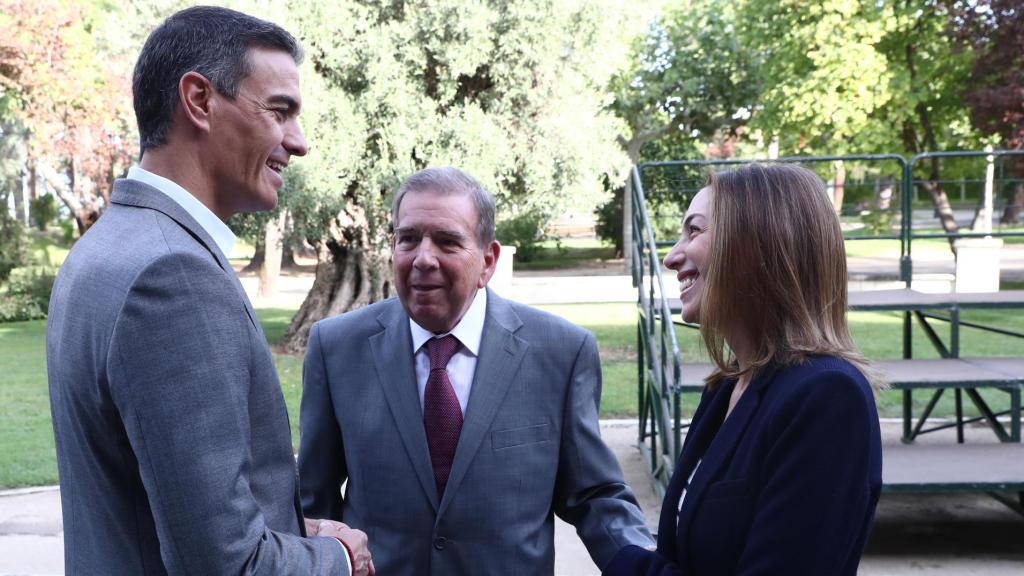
530, 446
173, 444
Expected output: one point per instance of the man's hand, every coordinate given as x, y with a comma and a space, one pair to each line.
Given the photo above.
354, 540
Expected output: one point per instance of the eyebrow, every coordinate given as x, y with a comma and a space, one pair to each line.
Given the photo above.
690, 217
452, 234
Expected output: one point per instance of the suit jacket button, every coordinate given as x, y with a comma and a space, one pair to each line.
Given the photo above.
440, 542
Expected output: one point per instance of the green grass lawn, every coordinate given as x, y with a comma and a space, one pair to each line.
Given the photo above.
566, 253
26, 437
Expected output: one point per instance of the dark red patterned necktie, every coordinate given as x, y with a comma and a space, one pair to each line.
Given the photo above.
442, 415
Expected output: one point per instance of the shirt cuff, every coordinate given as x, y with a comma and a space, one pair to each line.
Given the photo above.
348, 553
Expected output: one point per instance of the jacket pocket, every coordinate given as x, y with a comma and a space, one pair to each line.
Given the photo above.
519, 436
729, 490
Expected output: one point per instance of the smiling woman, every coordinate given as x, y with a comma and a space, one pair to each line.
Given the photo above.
781, 469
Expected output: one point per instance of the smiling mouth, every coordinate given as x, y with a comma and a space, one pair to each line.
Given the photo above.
687, 282
275, 166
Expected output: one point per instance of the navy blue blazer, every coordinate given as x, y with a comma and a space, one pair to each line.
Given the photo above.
786, 485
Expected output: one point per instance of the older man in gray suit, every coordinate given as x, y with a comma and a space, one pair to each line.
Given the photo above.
173, 444
462, 422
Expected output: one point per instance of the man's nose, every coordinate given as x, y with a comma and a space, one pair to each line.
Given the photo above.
295, 141
426, 255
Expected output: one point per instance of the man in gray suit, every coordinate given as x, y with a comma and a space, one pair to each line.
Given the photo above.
461, 421
173, 443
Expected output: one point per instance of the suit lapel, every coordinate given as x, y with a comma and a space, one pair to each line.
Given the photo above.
697, 439
392, 353
722, 445
141, 195
501, 352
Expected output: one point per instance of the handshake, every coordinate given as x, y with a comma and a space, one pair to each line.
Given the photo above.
355, 542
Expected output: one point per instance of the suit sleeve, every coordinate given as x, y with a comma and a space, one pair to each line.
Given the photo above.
179, 376
637, 561
322, 468
590, 492
823, 471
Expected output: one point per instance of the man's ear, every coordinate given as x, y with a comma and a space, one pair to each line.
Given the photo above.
195, 93
491, 254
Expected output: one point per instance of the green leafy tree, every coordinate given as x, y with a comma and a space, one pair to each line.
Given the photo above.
690, 82
845, 76
510, 91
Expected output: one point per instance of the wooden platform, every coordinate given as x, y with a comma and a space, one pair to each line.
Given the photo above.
914, 374
952, 467
907, 299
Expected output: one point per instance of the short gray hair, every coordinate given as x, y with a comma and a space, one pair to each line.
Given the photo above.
448, 180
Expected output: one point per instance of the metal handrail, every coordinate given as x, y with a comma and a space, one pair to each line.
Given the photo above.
658, 390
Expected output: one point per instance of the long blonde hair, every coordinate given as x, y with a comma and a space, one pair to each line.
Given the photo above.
777, 270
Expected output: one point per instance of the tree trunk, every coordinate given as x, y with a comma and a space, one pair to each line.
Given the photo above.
288, 257
940, 200
84, 217
270, 270
632, 147
839, 186
1015, 206
929, 142
258, 256
883, 198
287, 249
349, 274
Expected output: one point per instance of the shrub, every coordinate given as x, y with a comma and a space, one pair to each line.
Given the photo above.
12, 244
43, 210
67, 228
33, 284
877, 221
609, 220
525, 232
17, 307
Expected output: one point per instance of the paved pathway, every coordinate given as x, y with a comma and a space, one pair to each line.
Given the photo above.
914, 535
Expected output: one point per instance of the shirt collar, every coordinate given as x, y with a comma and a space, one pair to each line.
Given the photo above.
215, 227
469, 331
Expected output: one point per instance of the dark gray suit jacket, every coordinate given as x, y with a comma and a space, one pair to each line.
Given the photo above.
173, 444
530, 446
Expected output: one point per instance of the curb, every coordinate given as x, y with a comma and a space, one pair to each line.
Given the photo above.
28, 490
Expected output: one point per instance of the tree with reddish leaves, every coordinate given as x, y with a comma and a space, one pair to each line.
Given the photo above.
994, 31
72, 96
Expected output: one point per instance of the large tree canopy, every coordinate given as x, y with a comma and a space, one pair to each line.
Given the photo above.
510, 91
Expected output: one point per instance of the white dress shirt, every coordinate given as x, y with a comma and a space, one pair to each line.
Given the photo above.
461, 368
215, 227
682, 496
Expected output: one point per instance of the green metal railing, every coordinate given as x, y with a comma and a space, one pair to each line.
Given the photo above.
660, 368
658, 365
